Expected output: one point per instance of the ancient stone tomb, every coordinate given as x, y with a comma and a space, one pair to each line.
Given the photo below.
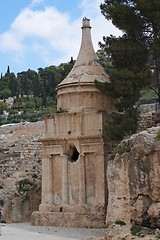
74, 191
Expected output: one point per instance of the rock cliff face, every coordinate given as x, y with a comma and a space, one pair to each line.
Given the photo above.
20, 170
133, 174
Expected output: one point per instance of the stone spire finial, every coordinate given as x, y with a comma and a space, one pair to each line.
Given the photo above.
86, 68
86, 54
86, 23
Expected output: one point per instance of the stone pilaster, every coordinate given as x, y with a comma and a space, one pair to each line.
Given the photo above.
82, 180
100, 179
47, 181
65, 182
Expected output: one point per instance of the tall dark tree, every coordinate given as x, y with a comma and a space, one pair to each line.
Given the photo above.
135, 57
64, 69
1, 81
8, 69
35, 87
105, 60
49, 73
44, 85
25, 83
13, 84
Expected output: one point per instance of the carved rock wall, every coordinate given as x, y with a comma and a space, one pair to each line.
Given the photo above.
20, 170
133, 175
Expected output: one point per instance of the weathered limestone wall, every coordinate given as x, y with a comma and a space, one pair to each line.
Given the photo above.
75, 125
20, 170
83, 98
133, 176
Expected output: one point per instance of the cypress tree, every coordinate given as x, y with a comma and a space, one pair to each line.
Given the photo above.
135, 59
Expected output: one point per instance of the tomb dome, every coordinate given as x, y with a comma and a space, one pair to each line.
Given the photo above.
77, 91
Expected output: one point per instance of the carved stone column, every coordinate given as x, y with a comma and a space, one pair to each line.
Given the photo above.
100, 179
65, 181
47, 180
82, 180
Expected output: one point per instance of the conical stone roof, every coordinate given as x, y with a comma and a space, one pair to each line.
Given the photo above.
77, 92
86, 68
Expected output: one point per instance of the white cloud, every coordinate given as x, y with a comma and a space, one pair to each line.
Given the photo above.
40, 23
47, 31
50, 25
8, 41
101, 27
90, 7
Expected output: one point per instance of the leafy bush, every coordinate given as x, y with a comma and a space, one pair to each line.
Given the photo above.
24, 185
121, 125
31, 115
120, 222
3, 106
5, 93
136, 230
122, 148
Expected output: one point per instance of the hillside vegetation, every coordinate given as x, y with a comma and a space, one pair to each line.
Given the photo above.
30, 95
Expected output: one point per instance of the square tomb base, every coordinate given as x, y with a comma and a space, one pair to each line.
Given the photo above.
78, 216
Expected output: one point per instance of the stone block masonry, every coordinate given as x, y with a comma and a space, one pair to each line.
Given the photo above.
20, 170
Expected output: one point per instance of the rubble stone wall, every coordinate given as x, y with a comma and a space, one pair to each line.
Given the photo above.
20, 170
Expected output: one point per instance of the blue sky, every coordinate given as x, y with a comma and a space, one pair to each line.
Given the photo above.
40, 33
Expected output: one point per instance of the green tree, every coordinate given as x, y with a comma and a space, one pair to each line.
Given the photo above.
13, 84
3, 106
5, 93
44, 85
49, 75
135, 58
24, 83
35, 87
105, 60
63, 70
139, 20
8, 69
5, 81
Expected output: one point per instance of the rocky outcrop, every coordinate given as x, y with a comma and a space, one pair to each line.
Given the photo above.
133, 175
20, 170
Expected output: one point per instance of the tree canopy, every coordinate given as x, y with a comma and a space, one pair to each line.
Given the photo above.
37, 84
135, 58
34, 93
